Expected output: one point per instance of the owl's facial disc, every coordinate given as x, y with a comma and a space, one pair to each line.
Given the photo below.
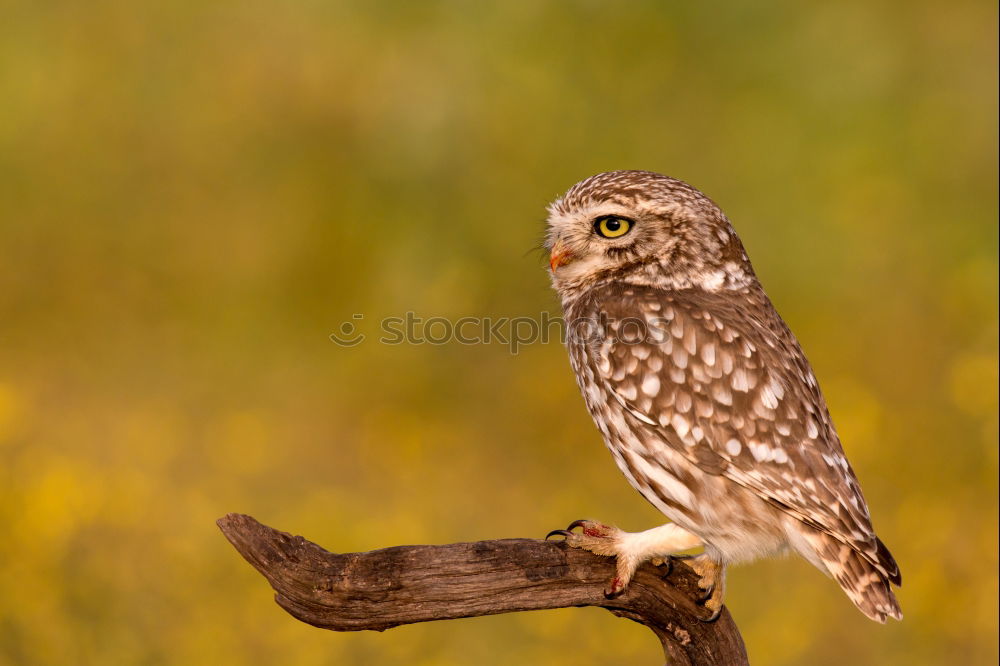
560, 255
591, 239
642, 227
605, 236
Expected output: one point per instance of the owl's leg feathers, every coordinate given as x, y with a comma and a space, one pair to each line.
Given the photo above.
630, 549
712, 580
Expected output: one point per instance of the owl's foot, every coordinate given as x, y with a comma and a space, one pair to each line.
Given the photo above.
630, 549
712, 581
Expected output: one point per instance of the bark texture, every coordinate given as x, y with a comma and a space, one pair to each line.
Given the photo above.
381, 589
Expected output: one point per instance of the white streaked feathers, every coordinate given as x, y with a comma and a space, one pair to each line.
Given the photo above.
712, 412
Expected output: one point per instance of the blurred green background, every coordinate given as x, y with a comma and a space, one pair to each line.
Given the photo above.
195, 195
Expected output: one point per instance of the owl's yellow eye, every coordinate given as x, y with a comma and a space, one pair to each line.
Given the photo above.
612, 226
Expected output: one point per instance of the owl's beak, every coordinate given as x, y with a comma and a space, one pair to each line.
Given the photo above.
560, 256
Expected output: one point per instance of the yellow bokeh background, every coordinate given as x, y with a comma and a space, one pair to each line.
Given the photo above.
196, 195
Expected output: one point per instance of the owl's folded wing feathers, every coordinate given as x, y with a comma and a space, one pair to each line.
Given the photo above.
725, 382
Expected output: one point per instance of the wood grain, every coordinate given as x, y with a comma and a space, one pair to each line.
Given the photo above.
381, 589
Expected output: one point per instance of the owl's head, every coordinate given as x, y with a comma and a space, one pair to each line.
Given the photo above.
642, 227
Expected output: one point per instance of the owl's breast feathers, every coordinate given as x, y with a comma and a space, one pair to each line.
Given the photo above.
718, 377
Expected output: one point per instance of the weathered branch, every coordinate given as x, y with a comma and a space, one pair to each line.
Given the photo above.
386, 588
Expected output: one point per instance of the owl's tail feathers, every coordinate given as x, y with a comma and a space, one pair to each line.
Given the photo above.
865, 577
888, 563
866, 585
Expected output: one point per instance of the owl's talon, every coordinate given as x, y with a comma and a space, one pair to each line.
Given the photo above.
714, 614
630, 550
712, 603
615, 588
712, 583
590, 530
660, 562
595, 537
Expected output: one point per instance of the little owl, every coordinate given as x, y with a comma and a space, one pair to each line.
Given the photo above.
702, 393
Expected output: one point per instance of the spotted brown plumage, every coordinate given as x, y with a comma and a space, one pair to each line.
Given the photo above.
702, 393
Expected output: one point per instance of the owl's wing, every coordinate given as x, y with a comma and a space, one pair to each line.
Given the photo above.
724, 381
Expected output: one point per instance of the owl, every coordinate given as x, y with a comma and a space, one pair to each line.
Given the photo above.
702, 393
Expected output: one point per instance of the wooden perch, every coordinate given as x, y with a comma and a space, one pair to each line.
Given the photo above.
385, 588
